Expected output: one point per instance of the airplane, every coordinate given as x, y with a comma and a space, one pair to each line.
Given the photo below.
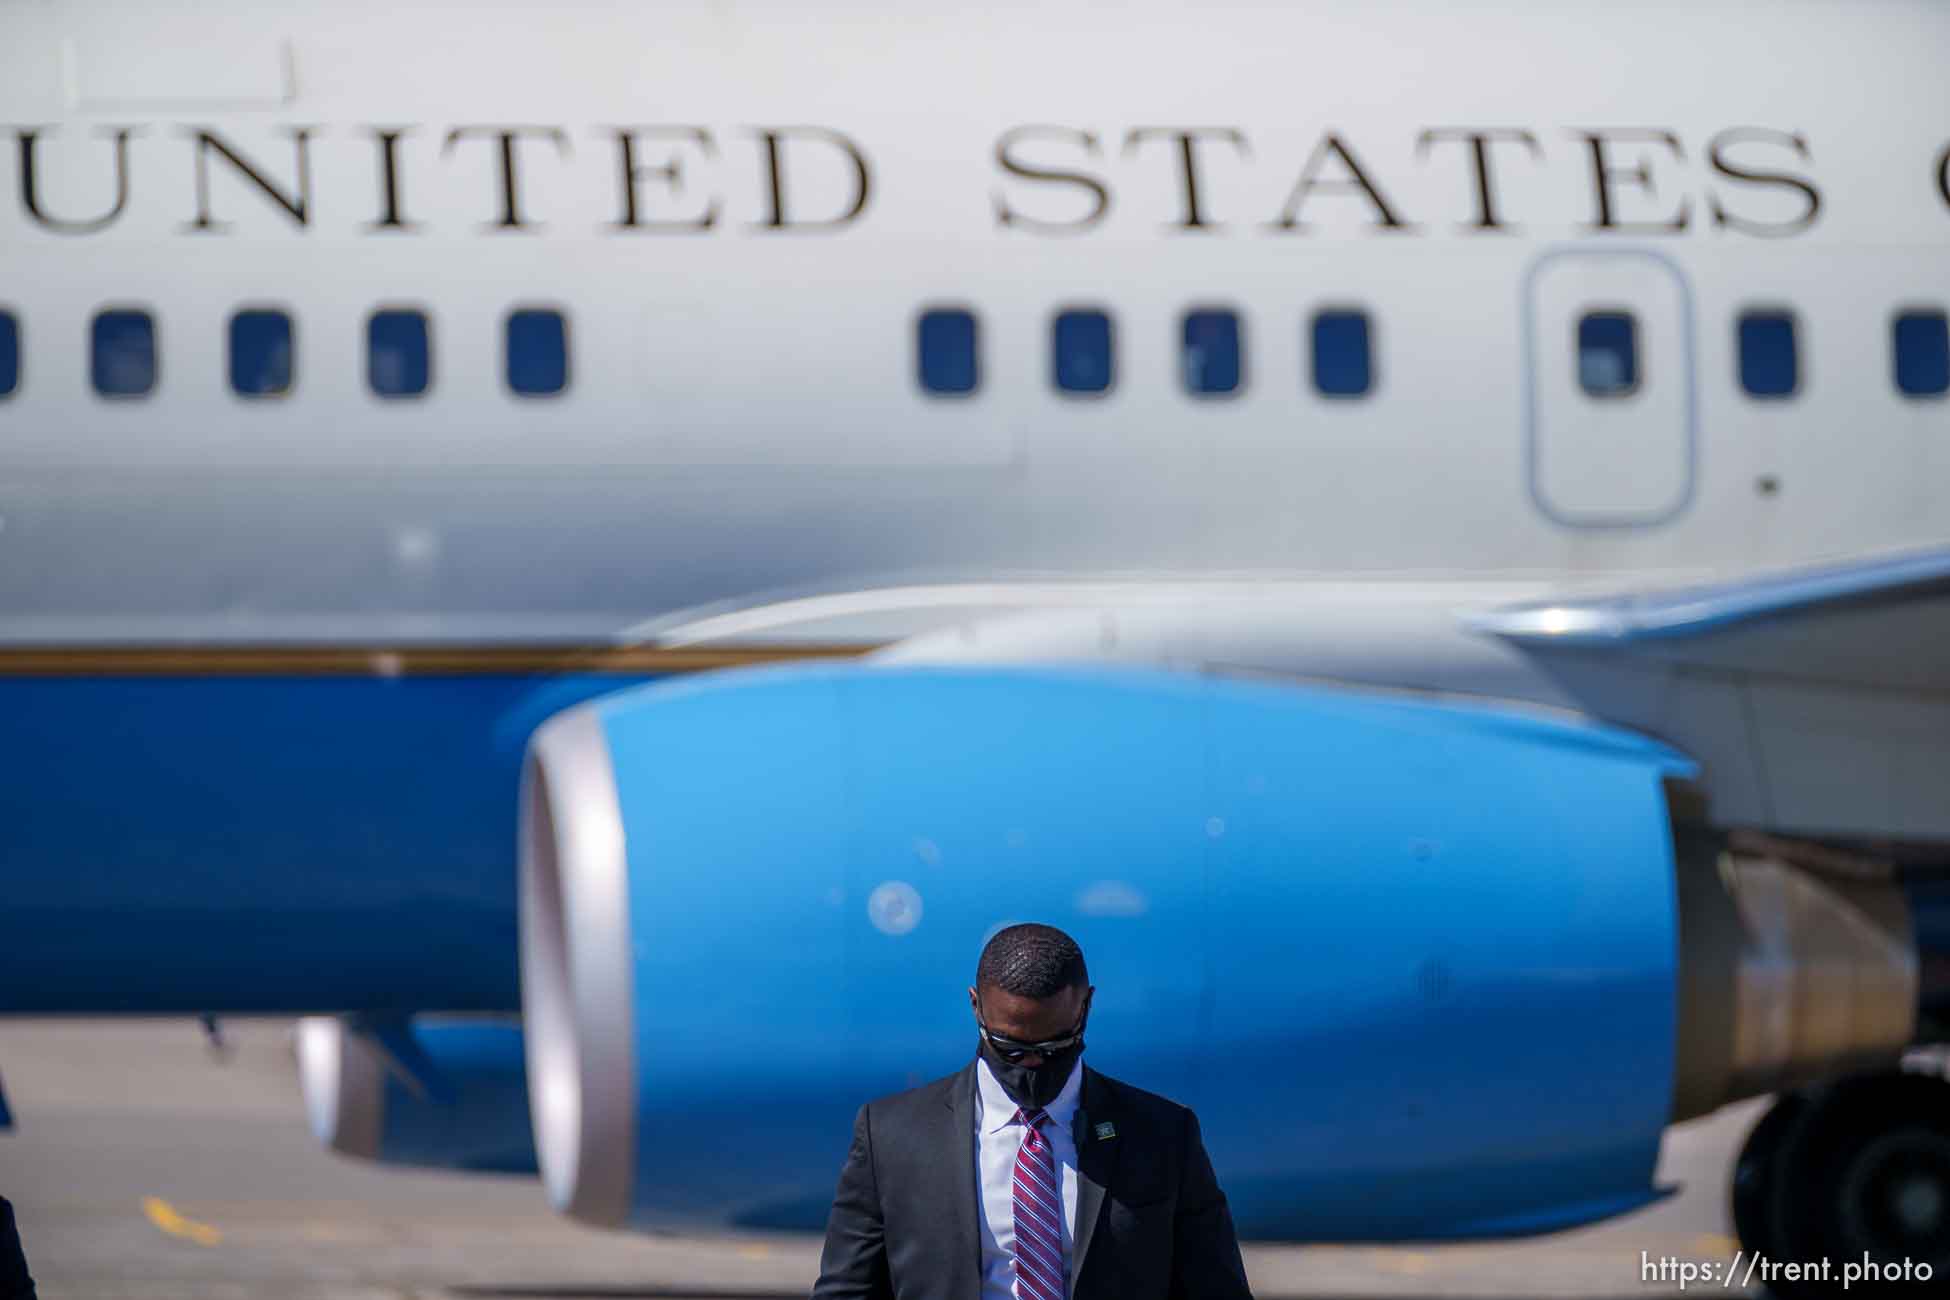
595, 552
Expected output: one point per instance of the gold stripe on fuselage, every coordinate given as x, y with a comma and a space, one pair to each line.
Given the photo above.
394, 661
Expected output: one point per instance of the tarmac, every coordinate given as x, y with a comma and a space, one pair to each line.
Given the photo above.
146, 1164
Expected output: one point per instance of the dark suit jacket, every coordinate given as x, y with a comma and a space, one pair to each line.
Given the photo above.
1151, 1220
14, 1282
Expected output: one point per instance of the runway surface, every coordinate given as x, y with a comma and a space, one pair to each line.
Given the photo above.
144, 1165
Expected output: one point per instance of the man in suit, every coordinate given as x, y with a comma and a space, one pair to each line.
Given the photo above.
1027, 1175
14, 1282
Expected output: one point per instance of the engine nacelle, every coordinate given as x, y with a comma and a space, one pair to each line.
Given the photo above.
1413, 962
437, 1092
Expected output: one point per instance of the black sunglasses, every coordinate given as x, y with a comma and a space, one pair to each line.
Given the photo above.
1014, 1049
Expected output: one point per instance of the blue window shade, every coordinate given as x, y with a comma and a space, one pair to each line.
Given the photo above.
1922, 345
1082, 360
1212, 352
399, 354
1343, 359
123, 357
945, 346
538, 353
1608, 353
1768, 364
261, 362
9, 354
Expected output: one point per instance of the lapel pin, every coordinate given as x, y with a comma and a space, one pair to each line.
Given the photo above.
1106, 1130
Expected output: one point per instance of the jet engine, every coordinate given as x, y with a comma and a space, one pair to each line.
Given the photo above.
1422, 966
437, 1092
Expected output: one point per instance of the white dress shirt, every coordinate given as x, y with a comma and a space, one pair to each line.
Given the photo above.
998, 1137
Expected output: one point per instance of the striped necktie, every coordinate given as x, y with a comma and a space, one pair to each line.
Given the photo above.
1039, 1214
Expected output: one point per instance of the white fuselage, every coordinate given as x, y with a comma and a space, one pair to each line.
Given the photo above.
742, 417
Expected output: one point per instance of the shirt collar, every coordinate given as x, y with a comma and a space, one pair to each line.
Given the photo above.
999, 1108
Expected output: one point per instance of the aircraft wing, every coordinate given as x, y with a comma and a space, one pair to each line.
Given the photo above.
1816, 701
1882, 622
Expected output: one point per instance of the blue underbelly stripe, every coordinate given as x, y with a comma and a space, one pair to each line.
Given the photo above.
265, 843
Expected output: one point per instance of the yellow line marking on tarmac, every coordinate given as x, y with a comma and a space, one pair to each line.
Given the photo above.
164, 1216
1715, 1243
755, 1250
1408, 1262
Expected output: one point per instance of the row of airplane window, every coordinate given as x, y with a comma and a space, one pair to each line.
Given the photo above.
1083, 353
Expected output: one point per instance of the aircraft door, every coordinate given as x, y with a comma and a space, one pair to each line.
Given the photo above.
1611, 411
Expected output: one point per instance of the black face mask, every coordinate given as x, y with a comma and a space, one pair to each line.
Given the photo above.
1031, 1087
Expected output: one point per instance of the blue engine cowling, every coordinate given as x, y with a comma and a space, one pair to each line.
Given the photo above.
436, 1092
1412, 962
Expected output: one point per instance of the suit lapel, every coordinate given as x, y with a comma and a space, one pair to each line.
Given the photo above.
966, 1244
1096, 1163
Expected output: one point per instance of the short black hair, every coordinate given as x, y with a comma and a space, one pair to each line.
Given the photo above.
1031, 961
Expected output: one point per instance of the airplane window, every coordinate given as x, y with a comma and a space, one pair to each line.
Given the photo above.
538, 352
9, 354
1608, 353
399, 353
1082, 357
1343, 354
1212, 353
1922, 340
124, 354
261, 362
1768, 365
946, 350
